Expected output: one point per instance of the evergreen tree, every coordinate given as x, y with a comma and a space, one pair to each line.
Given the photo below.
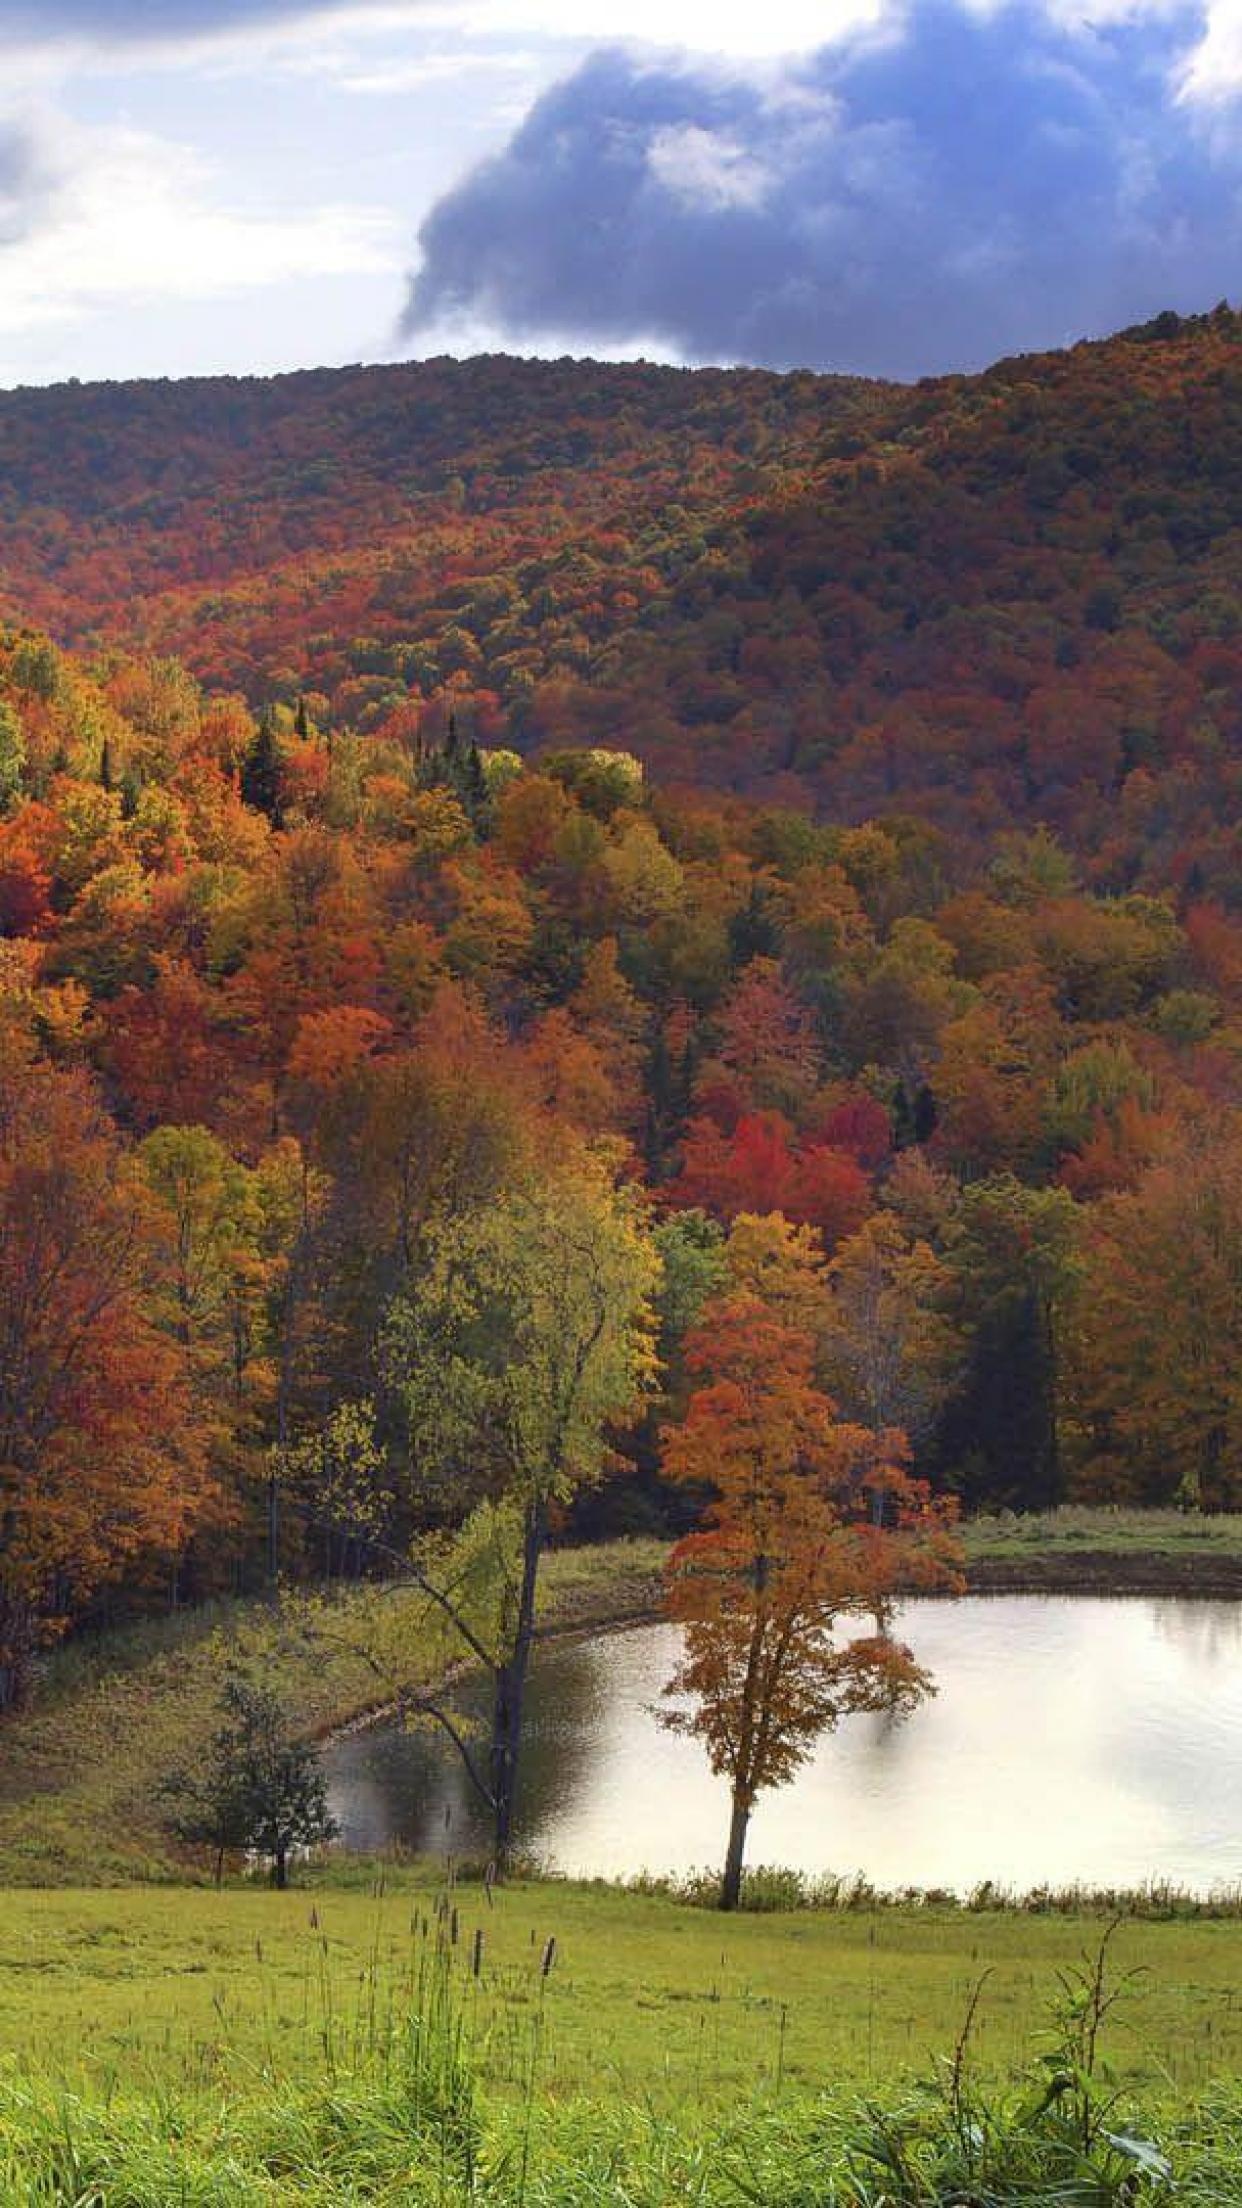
1014, 1251
262, 774
903, 1118
752, 932
925, 1114
474, 786
260, 1789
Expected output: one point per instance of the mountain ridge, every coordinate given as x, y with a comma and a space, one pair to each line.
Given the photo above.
977, 595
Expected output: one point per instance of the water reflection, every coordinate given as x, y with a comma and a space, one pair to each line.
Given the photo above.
1204, 1631
1072, 1738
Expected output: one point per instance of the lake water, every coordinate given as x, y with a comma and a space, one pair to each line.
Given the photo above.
1072, 1739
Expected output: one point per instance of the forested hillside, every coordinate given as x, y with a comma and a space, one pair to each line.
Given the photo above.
1011, 596
370, 532
428, 909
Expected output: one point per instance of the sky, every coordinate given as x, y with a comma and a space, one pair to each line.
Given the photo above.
891, 187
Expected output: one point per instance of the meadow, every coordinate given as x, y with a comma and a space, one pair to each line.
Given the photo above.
1185, 1551
545, 2043
647, 1997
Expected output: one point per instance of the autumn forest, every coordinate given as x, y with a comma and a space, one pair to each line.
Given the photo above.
765, 849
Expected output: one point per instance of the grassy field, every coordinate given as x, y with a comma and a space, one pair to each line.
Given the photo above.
399, 2139
78, 1772
646, 1998
1176, 1546
218, 2049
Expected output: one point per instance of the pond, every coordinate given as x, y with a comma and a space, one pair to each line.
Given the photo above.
1072, 1739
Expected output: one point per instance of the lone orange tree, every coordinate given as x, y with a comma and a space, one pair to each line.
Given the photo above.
789, 1546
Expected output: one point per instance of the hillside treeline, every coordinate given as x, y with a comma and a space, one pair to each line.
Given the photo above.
282, 1000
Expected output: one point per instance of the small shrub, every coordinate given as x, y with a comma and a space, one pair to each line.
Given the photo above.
1055, 2138
261, 1788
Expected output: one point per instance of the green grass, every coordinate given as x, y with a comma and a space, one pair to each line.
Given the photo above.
342, 2145
78, 1771
648, 1998
1107, 1532
240, 2047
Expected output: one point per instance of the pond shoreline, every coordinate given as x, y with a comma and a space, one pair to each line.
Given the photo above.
1054, 1570
1098, 1700
1057, 1571
581, 1624
1104, 1572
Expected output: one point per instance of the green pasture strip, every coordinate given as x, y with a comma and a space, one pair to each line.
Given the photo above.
401, 2062
646, 1999
1100, 1531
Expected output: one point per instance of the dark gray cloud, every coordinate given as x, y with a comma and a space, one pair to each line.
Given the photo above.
961, 188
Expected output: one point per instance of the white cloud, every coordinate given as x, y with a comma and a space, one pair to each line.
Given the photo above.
29, 179
706, 169
695, 26
463, 336
134, 218
318, 34
310, 35
1213, 71
418, 72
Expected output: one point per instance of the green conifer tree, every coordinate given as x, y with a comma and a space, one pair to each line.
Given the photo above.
262, 773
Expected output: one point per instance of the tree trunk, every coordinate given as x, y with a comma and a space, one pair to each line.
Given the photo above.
1053, 1405
510, 1693
17, 1652
731, 1883
747, 1767
506, 1723
273, 1530
280, 1870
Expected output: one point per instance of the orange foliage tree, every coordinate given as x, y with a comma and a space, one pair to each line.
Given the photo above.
791, 1543
101, 1458
1156, 1334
